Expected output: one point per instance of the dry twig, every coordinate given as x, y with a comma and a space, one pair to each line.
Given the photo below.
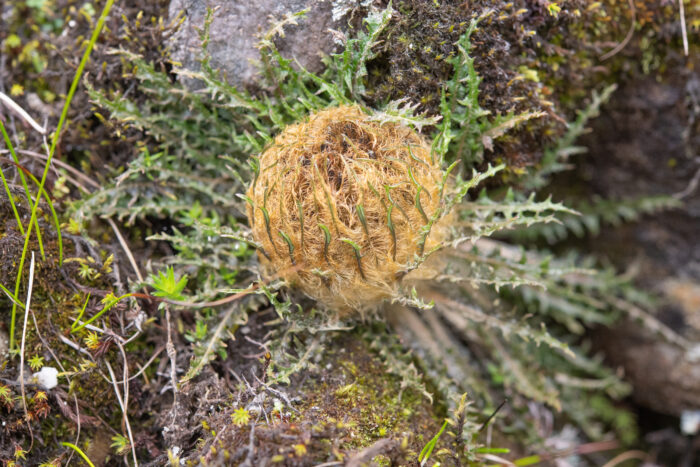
627, 38
21, 354
12, 105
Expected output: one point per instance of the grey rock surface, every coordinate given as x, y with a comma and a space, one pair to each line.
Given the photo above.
647, 142
238, 25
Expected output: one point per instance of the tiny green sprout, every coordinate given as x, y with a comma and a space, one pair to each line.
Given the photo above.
167, 286
173, 459
5, 396
346, 391
553, 9
194, 214
87, 273
13, 41
300, 450
92, 340
60, 189
240, 417
36, 362
107, 264
120, 444
109, 301
200, 332
74, 227
19, 452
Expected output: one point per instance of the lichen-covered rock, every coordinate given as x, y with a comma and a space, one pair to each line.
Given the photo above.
236, 29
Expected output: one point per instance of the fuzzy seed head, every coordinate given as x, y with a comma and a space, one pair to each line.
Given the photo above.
342, 205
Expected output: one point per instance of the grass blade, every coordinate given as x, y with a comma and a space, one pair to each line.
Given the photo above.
52, 150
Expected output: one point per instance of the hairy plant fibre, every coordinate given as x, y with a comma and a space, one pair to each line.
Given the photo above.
342, 205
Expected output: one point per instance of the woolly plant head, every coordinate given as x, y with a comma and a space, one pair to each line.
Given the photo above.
343, 205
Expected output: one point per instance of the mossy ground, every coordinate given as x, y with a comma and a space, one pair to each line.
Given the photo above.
42, 42
57, 296
544, 56
329, 413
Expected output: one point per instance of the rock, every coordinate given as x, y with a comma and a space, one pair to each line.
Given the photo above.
238, 25
665, 377
646, 143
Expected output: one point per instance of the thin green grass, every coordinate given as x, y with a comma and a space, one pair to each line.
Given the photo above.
12, 201
49, 202
79, 451
52, 150
6, 137
109, 301
54, 215
11, 296
430, 446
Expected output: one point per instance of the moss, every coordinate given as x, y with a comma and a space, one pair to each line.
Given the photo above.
413, 62
42, 43
531, 57
359, 392
58, 294
347, 404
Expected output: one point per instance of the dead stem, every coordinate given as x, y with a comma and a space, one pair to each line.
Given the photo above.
172, 355
124, 411
21, 354
12, 105
126, 248
628, 37
684, 32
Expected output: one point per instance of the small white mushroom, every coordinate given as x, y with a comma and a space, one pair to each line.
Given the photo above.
47, 377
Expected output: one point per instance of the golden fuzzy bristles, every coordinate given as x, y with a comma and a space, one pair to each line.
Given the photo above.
341, 204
